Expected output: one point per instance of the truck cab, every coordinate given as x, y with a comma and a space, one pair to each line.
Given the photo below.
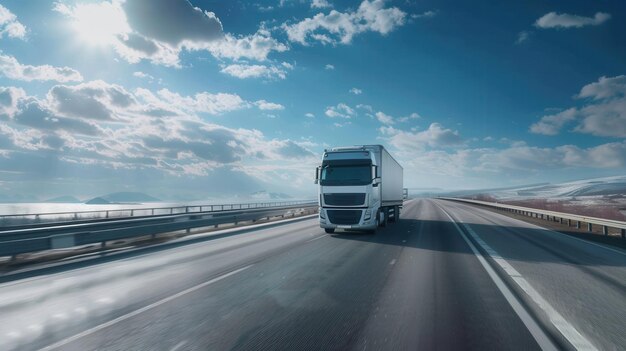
360, 188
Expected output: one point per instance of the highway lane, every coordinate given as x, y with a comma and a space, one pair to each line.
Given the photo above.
584, 282
414, 285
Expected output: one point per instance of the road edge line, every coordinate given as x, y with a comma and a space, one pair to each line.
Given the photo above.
540, 336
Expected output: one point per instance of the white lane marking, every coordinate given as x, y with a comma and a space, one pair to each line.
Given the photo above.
179, 345
392, 262
561, 324
569, 332
319, 237
535, 330
141, 310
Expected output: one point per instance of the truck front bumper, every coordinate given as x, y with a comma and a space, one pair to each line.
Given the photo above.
361, 224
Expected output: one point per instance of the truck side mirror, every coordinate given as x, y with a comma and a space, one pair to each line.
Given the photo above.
374, 172
317, 174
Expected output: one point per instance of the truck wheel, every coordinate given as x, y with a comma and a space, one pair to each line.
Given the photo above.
329, 230
396, 214
385, 220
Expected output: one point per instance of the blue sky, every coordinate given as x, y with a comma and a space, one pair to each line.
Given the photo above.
194, 99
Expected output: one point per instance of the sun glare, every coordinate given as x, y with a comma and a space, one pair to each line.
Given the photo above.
99, 24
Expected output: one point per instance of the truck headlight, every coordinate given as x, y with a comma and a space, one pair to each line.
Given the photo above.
368, 214
321, 213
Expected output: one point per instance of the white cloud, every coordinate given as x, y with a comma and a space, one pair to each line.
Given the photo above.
172, 21
160, 30
552, 124
413, 115
11, 68
341, 27
604, 116
204, 102
10, 26
384, 118
309, 115
522, 36
329, 67
320, 4
367, 108
556, 20
342, 124
243, 71
408, 141
95, 100
604, 88
266, 105
10, 97
255, 47
134, 132
426, 14
356, 91
142, 75
341, 110
607, 118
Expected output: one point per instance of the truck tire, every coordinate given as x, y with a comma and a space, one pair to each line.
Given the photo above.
396, 214
385, 220
329, 230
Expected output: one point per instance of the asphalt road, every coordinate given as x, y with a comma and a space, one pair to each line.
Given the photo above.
487, 282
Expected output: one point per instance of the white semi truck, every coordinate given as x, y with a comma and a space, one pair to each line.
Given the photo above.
360, 188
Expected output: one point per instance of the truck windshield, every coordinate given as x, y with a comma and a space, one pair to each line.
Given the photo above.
346, 175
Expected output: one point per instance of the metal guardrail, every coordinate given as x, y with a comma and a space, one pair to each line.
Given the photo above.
68, 216
18, 241
553, 215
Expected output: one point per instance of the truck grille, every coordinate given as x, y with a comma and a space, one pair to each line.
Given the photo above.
344, 199
344, 216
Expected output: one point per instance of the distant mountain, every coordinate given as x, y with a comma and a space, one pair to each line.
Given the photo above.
270, 196
98, 201
123, 197
63, 199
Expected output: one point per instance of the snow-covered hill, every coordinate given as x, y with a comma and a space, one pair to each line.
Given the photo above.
581, 188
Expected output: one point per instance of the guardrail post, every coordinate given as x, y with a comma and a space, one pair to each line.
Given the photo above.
569, 222
560, 220
106, 214
153, 211
75, 215
132, 213
171, 210
589, 227
605, 230
186, 209
577, 224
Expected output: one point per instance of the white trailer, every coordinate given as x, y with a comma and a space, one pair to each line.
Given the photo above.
360, 188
